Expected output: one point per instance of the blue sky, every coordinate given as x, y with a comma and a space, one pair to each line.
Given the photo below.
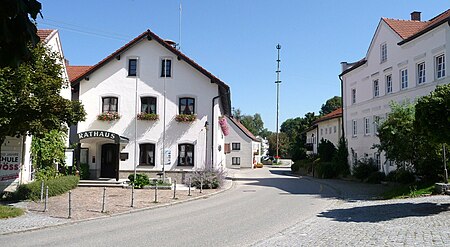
236, 39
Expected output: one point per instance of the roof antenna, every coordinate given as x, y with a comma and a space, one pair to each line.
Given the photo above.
179, 30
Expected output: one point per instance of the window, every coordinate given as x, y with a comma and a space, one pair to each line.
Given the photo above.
376, 157
376, 123
404, 78
355, 158
366, 126
148, 104
421, 73
187, 106
132, 67
383, 53
353, 95
186, 155
326, 131
440, 66
321, 132
329, 130
147, 154
235, 146
109, 104
335, 129
388, 83
376, 88
354, 128
166, 68
235, 161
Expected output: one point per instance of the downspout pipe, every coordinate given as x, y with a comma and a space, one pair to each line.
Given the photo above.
342, 105
212, 130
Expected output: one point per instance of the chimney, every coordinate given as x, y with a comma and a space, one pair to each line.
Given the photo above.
415, 16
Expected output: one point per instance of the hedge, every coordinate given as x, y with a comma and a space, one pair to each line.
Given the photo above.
56, 186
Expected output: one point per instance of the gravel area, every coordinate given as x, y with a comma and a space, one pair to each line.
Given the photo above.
87, 203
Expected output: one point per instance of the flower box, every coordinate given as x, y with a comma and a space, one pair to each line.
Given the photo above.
108, 116
147, 116
186, 117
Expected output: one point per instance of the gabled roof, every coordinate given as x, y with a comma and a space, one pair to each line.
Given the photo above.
224, 89
243, 129
76, 71
45, 34
408, 30
334, 114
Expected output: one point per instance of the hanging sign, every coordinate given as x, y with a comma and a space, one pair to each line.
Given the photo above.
9, 165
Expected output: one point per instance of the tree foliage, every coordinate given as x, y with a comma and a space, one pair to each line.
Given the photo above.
433, 115
331, 105
48, 150
30, 100
253, 123
17, 31
283, 147
294, 129
326, 150
340, 158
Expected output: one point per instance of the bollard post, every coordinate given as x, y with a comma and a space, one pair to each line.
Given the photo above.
132, 196
201, 184
70, 204
156, 190
104, 197
42, 190
174, 189
189, 194
46, 199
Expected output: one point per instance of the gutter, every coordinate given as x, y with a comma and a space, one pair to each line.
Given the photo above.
342, 104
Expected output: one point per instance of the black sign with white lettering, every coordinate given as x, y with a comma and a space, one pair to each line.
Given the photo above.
98, 134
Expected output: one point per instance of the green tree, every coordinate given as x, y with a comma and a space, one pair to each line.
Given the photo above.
48, 150
433, 115
30, 100
294, 129
17, 31
326, 150
283, 148
253, 123
340, 158
331, 105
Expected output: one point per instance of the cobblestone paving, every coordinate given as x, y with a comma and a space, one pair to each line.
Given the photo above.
421, 221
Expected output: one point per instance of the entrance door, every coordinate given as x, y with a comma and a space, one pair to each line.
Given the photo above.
110, 158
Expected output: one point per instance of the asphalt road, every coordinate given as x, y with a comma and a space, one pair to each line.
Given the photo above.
262, 203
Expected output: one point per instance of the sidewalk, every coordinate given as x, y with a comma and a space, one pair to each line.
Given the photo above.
87, 204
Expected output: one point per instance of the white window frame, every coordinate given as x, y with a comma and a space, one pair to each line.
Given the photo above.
353, 93
235, 161
440, 66
383, 52
377, 159
366, 126
235, 146
354, 128
161, 67
376, 124
388, 79
376, 88
421, 70
403, 78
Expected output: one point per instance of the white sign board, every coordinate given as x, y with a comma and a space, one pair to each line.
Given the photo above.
69, 158
167, 157
9, 170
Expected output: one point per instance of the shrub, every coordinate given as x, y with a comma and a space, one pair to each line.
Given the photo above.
326, 170
295, 167
405, 176
212, 179
141, 180
46, 173
326, 150
376, 177
340, 158
56, 186
364, 168
84, 171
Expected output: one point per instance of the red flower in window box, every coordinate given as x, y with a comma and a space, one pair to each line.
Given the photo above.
147, 116
108, 116
186, 117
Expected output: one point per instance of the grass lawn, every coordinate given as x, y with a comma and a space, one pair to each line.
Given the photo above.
409, 190
9, 212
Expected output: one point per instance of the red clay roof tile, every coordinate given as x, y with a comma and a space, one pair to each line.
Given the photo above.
74, 71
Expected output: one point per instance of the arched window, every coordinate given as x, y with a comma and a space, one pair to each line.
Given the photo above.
187, 106
147, 154
186, 155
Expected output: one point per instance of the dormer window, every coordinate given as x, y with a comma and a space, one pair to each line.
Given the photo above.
166, 67
132, 67
383, 53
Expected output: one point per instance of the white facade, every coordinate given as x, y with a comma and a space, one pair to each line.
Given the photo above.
112, 79
328, 127
244, 148
372, 83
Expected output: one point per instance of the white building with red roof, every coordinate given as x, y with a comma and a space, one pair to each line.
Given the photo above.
242, 148
150, 108
17, 166
406, 59
327, 127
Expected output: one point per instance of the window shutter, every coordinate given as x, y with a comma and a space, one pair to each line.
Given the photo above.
227, 148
